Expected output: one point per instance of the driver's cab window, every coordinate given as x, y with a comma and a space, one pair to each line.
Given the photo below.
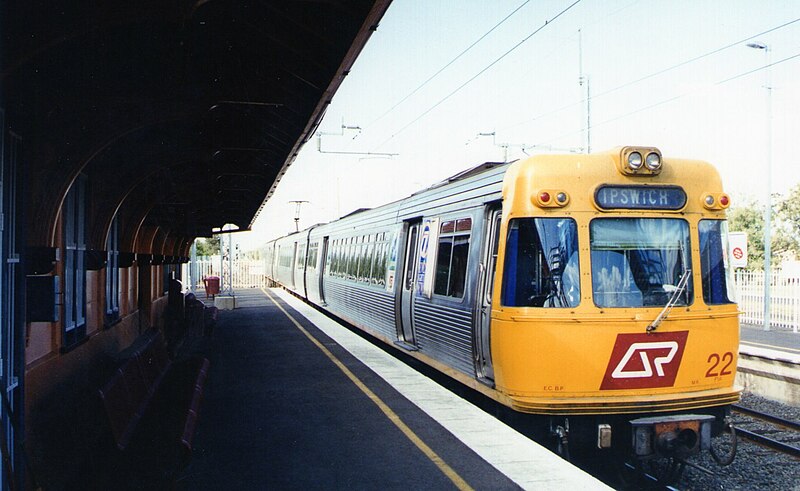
541, 267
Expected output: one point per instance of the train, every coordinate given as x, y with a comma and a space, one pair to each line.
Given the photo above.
592, 291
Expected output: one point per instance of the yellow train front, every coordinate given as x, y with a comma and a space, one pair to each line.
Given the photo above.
613, 308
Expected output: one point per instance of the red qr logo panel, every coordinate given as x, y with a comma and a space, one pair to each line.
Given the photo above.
644, 361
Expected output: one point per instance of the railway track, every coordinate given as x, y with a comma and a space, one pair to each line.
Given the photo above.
760, 438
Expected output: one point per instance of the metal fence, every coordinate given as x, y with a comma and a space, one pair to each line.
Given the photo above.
247, 273
784, 289
784, 299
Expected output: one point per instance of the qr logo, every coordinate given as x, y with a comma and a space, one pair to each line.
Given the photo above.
640, 361
645, 350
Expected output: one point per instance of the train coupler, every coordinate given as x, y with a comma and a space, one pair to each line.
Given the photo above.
671, 436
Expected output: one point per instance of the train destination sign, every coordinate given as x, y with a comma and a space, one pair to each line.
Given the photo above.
640, 197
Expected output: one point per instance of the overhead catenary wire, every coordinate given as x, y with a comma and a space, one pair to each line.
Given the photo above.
481, 72
673, 98
654, 74
438, 72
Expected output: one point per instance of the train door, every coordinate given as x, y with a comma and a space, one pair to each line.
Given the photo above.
323, 261
483, 351
407, 286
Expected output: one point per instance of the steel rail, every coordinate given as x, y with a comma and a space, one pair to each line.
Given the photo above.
767, 417
769, 442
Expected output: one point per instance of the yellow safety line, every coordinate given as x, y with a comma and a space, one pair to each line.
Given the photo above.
776, 348
393, 417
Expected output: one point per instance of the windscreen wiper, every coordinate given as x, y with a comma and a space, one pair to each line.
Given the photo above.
672, 301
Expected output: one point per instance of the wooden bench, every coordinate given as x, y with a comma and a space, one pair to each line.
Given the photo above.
153, 403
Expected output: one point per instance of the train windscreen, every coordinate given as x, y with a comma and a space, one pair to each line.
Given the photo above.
638, 262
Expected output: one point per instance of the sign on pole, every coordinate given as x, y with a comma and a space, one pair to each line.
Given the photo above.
738, 244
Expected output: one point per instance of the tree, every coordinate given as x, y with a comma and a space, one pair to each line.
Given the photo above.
788, 214
784, 228
208, 247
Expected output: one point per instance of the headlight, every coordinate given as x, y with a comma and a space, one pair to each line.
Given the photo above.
653, 161
639, 161
635, 160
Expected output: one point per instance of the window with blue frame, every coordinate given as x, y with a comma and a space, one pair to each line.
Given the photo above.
12, 311
541, 263
717, 273
112, 273
74, 325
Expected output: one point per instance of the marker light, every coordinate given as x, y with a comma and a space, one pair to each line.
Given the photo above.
716, 201
635, 160
550, 198
653, 161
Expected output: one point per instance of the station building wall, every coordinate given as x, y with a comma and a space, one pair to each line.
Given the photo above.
62, 374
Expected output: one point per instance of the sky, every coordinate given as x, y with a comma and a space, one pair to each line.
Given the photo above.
444, 85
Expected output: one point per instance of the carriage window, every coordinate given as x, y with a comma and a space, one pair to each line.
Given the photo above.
301, 257
365, 262
360, 259
313, 251
717, 273
541, 263
379, 263
638, 262
451, 258
411, 259
330, 259
285, 256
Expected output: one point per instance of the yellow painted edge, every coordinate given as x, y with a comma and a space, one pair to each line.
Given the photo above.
390, 414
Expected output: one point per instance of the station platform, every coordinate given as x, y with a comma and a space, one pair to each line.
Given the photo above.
295, 401
769, 363
755, 338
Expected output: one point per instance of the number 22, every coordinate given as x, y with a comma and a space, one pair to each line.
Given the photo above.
714, 358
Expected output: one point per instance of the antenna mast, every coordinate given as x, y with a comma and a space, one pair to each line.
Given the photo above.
585, 80
297, 203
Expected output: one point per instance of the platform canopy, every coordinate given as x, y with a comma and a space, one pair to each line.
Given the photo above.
181, 114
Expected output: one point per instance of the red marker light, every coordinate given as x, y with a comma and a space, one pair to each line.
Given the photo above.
724, 200
544, 197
